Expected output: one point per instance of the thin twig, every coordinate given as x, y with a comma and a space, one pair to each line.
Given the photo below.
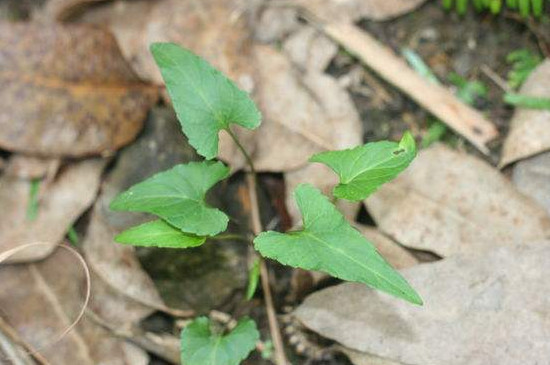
494, 77
278, 346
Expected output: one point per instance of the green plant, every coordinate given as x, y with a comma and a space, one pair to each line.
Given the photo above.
206, 103
525, 7
523, 62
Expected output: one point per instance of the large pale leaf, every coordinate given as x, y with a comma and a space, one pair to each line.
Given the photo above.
480, 309
449, 202
158, 234
205, 100
177, 196
362, 170
199, 346
328, 243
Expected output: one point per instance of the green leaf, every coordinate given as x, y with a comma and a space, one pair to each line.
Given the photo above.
329, 243
177, 196
364, 169
158, 234
199, 346
205, 100
526, 101
253, 278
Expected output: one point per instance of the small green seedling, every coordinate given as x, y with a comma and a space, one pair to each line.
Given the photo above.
207, 103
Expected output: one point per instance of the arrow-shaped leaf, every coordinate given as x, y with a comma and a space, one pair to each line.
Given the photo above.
329, 243
364, 169
177, 196
158, 234
199, 346
205, 100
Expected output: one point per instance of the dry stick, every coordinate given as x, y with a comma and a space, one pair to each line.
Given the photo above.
17, 344
278, 346
437, 99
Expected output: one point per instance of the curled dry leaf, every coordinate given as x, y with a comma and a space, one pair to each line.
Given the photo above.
58, 103
529, 129
40, 300
310, 49
449, 202
61, 202
475, 311
532, 178
353, 10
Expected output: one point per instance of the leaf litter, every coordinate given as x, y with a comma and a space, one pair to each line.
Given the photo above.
306, 111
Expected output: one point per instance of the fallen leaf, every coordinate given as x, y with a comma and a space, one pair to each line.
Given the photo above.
61, 202
397, 256
31, 167
63, 10
304, 113
216, 30
275, 23
449, 202
484, 309
83, 102
354, 10
529, 128
40, 300
310, 49
532, 177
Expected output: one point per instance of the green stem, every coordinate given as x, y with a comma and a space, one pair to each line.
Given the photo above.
280, 357
229, 237
243, 151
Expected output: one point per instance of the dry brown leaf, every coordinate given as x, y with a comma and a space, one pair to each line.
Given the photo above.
353, 10
449, 202
479, 309
59, 103
532, 178
61, 202
529, 129
40, 300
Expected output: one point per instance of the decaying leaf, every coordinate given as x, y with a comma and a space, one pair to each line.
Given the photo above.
353, 10
60, 203
449, 202
59, 103
214, 29
479, 309
529, 129
40, 300
532, 178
